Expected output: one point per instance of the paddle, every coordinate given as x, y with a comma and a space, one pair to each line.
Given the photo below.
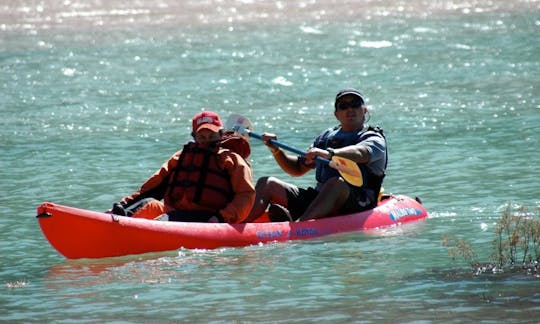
348, 169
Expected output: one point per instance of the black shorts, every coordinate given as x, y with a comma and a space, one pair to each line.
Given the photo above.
299, 199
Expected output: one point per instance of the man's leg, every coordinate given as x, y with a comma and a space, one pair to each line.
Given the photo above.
268, 190
331, 197
151, 209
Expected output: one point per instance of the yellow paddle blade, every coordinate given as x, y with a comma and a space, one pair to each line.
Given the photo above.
348, 169
381, 193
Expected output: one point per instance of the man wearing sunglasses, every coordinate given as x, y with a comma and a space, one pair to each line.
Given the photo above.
352, 139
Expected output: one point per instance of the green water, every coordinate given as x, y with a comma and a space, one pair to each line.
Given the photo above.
95, 97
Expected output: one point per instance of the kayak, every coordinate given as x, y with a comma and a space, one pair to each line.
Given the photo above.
78, 233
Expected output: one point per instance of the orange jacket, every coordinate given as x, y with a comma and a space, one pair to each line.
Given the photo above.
241, 179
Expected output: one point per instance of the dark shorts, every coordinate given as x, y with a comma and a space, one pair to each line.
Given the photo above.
299, 199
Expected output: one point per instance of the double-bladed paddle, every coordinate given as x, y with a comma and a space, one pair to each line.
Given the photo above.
347, 168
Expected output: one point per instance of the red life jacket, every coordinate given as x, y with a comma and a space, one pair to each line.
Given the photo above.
237, 144
199, 178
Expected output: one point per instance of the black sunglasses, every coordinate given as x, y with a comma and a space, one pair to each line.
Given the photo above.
355, 103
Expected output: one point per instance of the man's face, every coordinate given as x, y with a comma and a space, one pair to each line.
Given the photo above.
206, 137
350, 110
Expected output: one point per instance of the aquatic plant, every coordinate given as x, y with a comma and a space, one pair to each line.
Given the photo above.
516, 245
518, 237
461, 248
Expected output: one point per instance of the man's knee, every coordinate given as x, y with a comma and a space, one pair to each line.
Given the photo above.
262, 182
272, 189
268, 183
337, 186
335, 183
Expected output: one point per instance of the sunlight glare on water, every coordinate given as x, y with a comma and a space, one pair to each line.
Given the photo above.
96, 95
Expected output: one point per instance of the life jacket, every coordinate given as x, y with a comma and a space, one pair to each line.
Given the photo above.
237, 144
199, 178
328, 139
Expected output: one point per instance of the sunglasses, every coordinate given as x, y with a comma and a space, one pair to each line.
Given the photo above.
355, 103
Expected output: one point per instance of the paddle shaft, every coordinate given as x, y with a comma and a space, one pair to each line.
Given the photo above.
287, 147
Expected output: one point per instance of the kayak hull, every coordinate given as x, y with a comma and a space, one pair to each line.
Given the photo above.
77, 233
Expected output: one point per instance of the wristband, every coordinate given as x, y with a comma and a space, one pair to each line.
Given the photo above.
331, 152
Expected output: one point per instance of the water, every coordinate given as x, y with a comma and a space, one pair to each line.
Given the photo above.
95, 96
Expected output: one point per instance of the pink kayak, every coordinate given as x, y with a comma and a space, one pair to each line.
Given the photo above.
78, 233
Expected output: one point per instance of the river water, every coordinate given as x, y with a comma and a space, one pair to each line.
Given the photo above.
96, 95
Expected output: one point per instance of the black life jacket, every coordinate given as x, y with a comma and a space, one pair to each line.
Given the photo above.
328, 139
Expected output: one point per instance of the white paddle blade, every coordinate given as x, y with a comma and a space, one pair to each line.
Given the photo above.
239, 125
348, 169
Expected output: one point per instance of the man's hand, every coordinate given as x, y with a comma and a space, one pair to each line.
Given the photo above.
266, 137
313, 152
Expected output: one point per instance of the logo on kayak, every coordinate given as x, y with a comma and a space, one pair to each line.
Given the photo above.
299, 232
397, 214
269, 234
306, 232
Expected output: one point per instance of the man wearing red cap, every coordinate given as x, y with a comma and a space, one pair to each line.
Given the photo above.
209, 180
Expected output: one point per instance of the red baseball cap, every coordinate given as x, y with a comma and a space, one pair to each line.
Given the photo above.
207, 119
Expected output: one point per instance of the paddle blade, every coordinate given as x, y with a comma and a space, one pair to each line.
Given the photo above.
348, 169
239, 125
